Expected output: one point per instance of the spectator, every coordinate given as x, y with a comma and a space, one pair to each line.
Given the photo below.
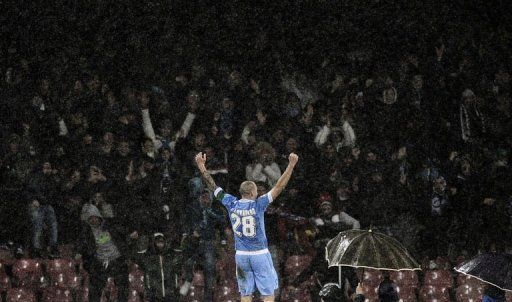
472, 122
387, 290
328, 222
161, 266
104, 252
199, 247
263, 168
42, 193
493, 294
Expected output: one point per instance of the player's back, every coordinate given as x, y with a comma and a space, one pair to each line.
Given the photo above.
247, 220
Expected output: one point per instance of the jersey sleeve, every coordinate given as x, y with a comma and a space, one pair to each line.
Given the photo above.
226, 199
263, 201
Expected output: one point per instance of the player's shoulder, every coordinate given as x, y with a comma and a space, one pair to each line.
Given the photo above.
267, 197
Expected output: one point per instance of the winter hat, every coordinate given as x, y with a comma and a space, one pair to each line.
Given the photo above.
88, 211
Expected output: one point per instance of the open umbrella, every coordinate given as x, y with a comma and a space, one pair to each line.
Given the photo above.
368, 249
491, 268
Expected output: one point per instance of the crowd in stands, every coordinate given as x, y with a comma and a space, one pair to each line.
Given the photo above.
413, 143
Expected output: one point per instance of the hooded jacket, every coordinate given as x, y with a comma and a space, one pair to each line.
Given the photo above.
86, 243
160, 270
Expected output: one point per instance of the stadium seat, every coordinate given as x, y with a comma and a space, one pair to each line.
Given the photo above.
196, 291
136, 281
29, 273
226, 291
195, 294
404, 278
62, 274
372, 278
438, 278
53, 294
60, 265
198, 279
406, 293
468, 293
83, 294
463, 279
109, 292
295, 265
292, 294
370, 292
430, 293
226, 266
20, 295
134, 296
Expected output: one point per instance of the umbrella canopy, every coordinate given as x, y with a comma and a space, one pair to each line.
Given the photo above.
491, 268
368, 249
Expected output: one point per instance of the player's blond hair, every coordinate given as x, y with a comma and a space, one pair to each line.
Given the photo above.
246, 187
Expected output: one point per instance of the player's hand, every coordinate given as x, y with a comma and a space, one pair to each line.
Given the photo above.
293, 159
201, 159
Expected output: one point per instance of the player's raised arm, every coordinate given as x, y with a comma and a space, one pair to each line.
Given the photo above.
207, 178
283, 180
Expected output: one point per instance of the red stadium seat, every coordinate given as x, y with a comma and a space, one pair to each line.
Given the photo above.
295, 265
83, 294
198, 279
430, 293
136, 281
468, 293
65, 280
134, 296
438, 278
195, 294
406, 293
62, 274
29, 273
226, 266
370, 291
60, 265
53, 294
109, 293
227, 291
372, 278
463, 279
404, 278
292, 294
20, 295
196, 291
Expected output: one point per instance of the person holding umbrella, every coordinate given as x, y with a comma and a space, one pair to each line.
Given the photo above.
495, 269
493, 294
331, 292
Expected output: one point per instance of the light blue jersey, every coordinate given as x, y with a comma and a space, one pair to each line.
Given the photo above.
247, 220
253, 261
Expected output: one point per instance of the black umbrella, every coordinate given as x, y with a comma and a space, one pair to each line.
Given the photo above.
491, 268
